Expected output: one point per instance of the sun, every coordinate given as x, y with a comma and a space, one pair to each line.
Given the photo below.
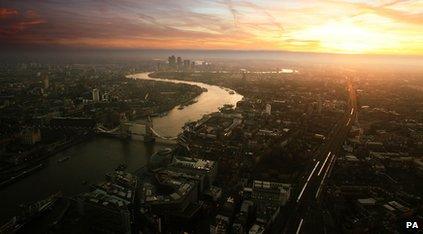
346, 37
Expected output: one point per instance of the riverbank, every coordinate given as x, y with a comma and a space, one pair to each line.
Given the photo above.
207, 103
15, 173
91, 160
231, 85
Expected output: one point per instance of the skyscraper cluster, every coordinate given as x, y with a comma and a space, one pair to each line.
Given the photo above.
178, 64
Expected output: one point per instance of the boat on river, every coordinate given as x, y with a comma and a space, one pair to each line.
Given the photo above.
60, 160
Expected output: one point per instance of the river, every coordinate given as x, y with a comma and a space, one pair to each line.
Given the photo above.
207, 102
91, 160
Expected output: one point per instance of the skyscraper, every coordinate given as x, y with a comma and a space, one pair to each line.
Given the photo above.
46, 82
172, 61
96, 95
179, 63
268, 109
244, 77
319, 105
187, 65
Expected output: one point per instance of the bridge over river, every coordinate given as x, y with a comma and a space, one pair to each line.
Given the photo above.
92, 159
166, 128
141, 130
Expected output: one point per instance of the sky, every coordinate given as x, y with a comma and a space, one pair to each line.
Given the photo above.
333, 26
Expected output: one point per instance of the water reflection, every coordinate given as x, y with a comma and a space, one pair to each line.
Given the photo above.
207, 102
91, 160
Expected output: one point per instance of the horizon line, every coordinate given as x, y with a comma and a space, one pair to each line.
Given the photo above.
45, 49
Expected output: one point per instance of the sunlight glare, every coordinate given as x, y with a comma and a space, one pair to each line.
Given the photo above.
346, 37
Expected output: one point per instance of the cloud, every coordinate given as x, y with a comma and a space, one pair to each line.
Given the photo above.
268, 15
385, 10
398, 16
212, 24
13, 22
7, 12
233, 11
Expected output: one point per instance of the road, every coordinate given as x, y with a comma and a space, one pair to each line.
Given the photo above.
306, 215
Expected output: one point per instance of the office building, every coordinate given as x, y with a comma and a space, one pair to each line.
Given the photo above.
268, 109
96, 95
179, 63
172, 61
46, 82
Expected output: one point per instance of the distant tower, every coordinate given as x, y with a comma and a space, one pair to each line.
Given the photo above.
268, 109
46, 82
243, 76
319, 106
179, 63
172, 61
187, 65
96, 95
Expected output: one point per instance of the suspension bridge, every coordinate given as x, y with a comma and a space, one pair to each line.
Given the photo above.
142, 131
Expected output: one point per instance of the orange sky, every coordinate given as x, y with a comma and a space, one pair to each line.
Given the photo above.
334, 26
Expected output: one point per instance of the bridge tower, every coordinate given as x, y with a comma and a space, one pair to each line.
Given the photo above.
125, 130
149, 135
